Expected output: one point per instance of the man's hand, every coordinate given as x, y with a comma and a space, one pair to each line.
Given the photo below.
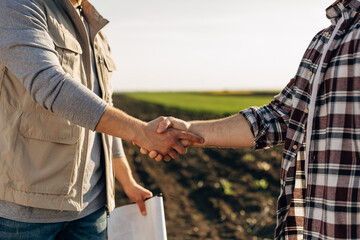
119, 124
138, 194
133, 190
166, 142
169, 124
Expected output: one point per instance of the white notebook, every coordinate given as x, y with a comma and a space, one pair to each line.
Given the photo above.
126, 222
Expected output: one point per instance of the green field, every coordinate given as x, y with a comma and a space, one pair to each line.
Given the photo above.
207, 102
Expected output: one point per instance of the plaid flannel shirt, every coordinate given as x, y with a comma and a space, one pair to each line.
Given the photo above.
327, 204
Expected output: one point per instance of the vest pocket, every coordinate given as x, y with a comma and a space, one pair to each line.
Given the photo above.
110, 64
107, 66
49, 127
46, 154
69, 51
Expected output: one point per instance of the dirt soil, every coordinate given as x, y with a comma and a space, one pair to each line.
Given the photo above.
209, 193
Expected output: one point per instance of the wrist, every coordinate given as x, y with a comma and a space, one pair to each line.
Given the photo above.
139, 132
196, 127
190, 126
128, 184
193, 127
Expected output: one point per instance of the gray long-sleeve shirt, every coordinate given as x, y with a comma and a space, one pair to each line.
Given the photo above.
27, 50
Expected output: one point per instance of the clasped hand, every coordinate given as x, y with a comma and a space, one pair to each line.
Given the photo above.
169, 137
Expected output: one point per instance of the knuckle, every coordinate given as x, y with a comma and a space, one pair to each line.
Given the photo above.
171, 131
169, 142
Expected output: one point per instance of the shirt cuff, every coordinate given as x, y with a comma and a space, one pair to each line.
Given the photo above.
255, 120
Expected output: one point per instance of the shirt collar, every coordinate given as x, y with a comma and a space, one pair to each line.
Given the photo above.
346, 8
354, 4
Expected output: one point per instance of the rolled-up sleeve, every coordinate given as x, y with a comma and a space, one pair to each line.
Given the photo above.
269, 123
28, 52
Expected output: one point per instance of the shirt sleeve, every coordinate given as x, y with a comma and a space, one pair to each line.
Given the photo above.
269, 123
118, 149
28, 52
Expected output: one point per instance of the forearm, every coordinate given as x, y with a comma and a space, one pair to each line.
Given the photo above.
119, 124
123, 172
233, 131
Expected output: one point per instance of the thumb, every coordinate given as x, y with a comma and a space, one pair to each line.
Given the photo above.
164, 125
171, 122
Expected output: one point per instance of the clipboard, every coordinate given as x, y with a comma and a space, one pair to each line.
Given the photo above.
126, 222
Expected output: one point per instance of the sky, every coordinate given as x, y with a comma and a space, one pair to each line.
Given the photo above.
200, 45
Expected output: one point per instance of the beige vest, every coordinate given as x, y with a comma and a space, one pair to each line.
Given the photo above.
42, 155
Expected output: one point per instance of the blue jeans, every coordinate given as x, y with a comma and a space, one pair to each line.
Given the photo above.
92, 227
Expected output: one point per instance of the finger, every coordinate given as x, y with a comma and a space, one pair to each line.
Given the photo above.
142, 207
153, 154
159, 157
189, 136
164, 125
167, 158
148, 194
173, 154
144, 151
185, 143
179, 148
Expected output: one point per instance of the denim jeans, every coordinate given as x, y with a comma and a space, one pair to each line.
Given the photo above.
92, 227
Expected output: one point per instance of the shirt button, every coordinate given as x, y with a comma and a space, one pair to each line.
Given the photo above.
310, 73
307, 111
294, 147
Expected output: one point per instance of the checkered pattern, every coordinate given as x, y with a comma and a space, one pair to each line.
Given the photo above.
327, 204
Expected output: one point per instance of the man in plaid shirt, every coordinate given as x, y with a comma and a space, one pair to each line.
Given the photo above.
320, 181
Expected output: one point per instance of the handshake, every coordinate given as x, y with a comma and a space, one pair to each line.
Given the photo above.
176, 135
166, 137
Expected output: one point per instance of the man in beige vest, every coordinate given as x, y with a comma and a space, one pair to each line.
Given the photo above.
57, 154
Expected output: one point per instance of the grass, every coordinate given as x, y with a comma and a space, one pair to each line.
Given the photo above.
207, 102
